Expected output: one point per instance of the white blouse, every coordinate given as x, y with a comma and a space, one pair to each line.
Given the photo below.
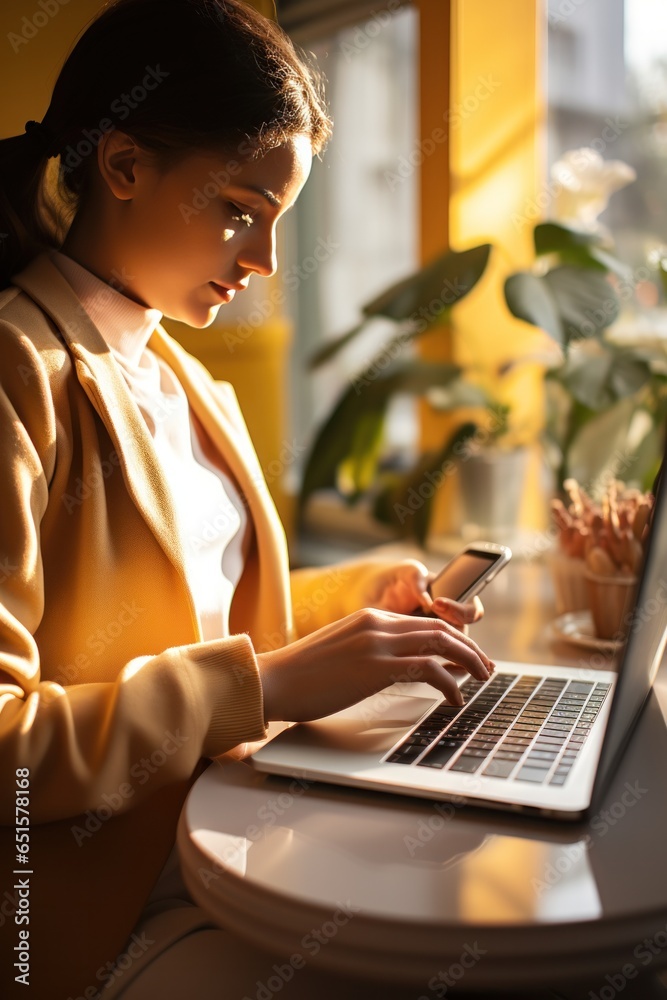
214, 523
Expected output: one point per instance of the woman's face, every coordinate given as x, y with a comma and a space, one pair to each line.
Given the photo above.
184, 241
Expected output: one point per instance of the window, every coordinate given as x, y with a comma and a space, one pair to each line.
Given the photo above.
607, 77
353, 231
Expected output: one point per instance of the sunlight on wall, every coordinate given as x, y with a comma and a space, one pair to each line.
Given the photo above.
496, 120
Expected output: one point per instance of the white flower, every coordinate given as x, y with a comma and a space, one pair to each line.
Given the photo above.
584, 183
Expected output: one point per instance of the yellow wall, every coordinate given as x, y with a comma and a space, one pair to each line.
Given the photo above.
496, 168
471, 186
31, 59
257, 366
29, 67
484, 175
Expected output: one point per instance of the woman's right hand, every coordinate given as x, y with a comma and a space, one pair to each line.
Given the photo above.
350, 659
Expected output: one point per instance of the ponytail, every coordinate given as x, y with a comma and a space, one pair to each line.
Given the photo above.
29, 219
180, 77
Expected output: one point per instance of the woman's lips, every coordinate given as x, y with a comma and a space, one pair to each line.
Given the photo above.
224, 294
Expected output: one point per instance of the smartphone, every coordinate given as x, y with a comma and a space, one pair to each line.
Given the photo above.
468, 572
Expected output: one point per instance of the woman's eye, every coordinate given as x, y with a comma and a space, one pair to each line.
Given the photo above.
240, 214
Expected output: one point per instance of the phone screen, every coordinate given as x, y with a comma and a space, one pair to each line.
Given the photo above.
461, 573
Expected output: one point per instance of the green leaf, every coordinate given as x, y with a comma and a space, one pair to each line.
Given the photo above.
628, 375
575, 246
600, 380
567, 302
332, 445
435, 287
588, 462
586, 302
458, 393
587, 381
611, 263
406, 501
426, 294
553, 237
332, 347
530, 299
412, 376
356, 474
364, 404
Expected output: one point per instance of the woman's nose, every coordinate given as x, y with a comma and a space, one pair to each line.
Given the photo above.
259, 255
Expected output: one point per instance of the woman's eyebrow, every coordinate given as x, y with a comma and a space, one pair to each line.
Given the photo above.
265, 193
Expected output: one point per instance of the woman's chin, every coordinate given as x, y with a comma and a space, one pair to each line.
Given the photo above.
198, 318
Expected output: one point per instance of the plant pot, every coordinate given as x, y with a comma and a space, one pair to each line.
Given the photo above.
611, 600
492, 483
570, 583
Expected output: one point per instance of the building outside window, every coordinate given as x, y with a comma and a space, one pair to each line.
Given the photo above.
607, 89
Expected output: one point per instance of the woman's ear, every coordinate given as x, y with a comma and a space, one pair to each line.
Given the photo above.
118, 157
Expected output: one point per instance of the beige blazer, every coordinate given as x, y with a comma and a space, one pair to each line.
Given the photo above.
107, 696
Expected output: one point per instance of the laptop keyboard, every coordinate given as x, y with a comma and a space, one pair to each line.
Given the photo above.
521, 727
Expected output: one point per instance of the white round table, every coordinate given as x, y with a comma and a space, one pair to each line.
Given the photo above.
397, 889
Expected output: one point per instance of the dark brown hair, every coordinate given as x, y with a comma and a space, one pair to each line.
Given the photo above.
179, 76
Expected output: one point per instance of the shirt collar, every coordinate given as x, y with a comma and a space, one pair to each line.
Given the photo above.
125, 325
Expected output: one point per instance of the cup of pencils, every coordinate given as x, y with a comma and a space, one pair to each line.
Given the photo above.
607, 539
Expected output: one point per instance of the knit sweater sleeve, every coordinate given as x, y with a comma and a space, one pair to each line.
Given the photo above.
321, 595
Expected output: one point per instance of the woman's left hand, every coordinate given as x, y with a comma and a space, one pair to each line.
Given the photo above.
401, 587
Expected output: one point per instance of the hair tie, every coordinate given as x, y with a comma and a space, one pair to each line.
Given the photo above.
42, 134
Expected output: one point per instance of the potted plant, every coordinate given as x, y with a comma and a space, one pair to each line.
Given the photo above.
599, 388
349, 451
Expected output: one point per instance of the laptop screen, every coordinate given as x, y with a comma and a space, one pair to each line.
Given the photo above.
645, 641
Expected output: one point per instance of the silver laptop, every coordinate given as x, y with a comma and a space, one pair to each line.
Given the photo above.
533, 738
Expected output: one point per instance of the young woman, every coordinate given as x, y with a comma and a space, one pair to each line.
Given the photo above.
133, 646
